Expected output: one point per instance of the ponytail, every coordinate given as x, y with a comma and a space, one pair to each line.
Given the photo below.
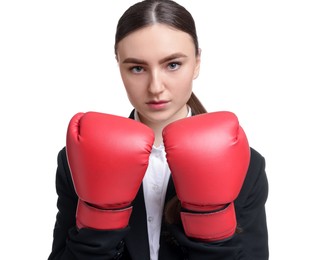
196, 105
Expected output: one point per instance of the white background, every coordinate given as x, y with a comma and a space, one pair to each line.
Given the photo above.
259, 60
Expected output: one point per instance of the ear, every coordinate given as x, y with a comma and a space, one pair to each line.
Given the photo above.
197, 65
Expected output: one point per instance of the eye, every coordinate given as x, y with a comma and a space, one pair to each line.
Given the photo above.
136, 69
174, 65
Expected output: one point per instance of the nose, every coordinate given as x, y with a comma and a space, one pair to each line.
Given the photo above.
156, 85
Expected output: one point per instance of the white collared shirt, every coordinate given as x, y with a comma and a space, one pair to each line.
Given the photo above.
155, 185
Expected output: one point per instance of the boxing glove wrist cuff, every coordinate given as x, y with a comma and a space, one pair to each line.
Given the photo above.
215, 226
90, 217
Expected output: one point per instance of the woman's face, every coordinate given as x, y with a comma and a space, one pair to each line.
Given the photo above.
158, 64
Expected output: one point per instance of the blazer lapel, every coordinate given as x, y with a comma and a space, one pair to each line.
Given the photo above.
137, 238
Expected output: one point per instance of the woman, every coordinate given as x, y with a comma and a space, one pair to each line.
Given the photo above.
157, 209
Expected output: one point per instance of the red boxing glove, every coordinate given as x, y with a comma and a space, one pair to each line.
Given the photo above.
208, 156
108, 157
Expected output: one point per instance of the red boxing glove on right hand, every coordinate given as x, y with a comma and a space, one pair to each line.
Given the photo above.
108, 157
208, 156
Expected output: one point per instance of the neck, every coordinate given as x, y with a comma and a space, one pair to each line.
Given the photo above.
158, 127
158, 137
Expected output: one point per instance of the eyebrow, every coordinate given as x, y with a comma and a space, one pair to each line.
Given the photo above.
168, 58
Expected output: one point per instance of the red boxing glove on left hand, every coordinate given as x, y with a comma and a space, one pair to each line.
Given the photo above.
208, 156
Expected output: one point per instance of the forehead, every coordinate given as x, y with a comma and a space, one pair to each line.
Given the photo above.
155, 41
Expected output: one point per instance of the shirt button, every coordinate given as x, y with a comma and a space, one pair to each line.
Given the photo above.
155, 187
150, 219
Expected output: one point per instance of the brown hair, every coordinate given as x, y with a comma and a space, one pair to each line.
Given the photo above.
167, 12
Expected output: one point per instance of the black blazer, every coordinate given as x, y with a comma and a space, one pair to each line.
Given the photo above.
132, 242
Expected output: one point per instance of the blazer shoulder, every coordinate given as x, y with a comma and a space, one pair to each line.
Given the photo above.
62, 153
62, 159
256, 179
257, 160
63, 173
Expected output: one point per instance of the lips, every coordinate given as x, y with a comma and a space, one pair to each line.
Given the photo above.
153, 102
157, 104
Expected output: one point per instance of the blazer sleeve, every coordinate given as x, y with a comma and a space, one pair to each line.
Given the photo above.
69, 242
251, 242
